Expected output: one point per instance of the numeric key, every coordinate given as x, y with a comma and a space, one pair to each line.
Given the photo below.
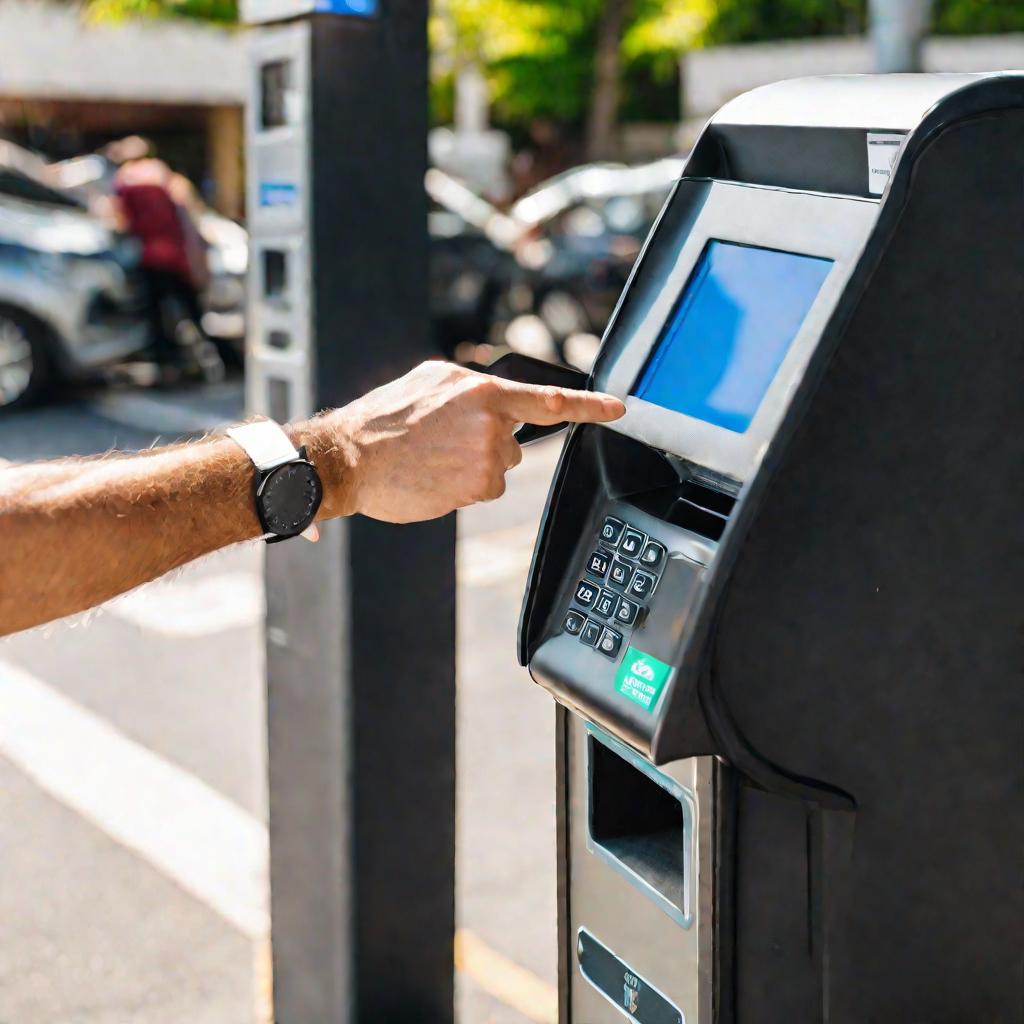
642, 585
597, 564
591, 633
626, 611
610, 642
612, 530
632, 543
605, 604
653, 554
574, 621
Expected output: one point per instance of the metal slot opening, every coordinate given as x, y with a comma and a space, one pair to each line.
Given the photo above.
690, 505
275, 276
279, 339
640, 823
276, 94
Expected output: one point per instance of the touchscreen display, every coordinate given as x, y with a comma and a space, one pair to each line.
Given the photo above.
730, 331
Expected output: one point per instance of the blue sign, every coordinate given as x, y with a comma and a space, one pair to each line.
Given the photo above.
360, 8
278, 193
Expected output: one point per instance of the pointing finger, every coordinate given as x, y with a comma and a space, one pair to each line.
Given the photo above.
543, 406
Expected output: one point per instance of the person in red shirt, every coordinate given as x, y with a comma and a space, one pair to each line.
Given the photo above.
173, 263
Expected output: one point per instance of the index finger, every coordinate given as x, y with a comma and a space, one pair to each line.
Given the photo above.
545, 405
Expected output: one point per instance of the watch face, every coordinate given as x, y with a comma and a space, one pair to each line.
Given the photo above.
289, 497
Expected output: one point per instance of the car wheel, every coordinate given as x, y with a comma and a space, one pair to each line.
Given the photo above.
24, 363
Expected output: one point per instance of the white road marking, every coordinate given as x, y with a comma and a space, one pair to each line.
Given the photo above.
187, 608
204, 842
168, 416
504, 979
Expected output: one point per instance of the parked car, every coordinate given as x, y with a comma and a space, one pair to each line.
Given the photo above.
69, 298
544, 276
471, 262
223, 300
582, 232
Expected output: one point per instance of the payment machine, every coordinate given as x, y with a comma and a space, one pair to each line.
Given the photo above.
780, 602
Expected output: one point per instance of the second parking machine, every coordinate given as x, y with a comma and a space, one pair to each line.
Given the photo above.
779, 601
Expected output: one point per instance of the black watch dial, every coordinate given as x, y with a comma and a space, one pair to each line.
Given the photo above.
288, 498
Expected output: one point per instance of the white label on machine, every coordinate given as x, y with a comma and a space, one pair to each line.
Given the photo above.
883, 148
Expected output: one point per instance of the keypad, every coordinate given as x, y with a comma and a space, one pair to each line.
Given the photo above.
620, 575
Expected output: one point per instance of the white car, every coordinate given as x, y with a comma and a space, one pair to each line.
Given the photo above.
69, 298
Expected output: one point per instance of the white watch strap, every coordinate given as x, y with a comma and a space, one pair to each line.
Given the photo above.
265, 443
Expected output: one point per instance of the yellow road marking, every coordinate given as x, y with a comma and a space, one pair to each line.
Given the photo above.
504, 979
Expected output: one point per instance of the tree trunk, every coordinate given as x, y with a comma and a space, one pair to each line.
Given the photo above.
604, 106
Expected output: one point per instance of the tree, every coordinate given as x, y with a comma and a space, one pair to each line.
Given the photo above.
604, 101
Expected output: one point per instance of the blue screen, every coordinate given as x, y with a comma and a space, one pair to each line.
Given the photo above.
730, 331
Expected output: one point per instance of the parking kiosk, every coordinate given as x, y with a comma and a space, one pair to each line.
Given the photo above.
779, 602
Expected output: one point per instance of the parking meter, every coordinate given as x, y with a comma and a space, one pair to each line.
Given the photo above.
778, 602
361, 625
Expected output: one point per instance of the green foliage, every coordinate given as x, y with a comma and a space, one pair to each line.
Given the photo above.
218, 11
539, 54
746, 21
978, 17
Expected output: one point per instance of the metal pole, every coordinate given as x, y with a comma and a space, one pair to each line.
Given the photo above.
898, 29
360, 627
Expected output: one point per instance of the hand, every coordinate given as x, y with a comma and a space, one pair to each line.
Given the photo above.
437, 439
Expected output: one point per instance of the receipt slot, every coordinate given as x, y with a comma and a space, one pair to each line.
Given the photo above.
779, 602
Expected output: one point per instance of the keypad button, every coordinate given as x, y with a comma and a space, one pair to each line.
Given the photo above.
610, 642
586, 593
620, 575
574, 622
653, 554
642, 585
626, 611
612, 530
591, 633
632, 543
597, 564
605, 604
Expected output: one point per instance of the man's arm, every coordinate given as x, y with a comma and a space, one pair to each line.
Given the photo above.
76, 533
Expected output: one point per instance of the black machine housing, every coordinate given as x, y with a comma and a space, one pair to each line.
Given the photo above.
840, 599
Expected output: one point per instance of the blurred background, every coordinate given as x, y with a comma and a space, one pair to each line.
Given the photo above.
558, 129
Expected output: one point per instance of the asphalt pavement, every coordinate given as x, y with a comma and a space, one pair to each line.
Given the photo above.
132, 800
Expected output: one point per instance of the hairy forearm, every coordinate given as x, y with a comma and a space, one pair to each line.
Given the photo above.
75, 533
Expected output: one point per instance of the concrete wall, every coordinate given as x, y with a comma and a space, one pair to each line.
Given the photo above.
713, 76
50, 52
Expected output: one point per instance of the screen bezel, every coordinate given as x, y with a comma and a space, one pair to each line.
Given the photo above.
828, 227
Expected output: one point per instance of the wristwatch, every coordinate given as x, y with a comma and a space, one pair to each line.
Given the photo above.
287, 486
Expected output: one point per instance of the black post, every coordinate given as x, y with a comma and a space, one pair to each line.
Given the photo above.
361, 627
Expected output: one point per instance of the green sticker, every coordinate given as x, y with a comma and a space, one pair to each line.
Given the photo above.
641, 678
